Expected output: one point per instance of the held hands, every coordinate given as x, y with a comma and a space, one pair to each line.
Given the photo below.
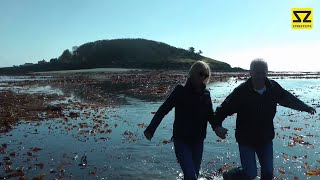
221, 132
311, 110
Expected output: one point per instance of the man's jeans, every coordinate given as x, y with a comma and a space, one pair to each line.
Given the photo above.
248, 161
189, 156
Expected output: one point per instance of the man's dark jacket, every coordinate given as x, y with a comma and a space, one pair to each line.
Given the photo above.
255, 112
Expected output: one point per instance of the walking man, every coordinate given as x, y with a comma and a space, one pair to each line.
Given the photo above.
255, 102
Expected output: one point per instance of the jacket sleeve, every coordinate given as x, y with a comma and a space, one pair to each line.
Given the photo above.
211, 114
163, 110
228, 107
286, 99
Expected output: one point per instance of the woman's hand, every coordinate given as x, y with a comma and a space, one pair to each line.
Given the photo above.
221, 132
311, 110
148, 134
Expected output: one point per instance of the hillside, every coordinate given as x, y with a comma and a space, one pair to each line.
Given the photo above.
121, 53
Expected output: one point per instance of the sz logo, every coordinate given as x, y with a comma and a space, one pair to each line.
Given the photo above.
301, 18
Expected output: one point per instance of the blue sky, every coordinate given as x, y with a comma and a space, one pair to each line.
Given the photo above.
231, 31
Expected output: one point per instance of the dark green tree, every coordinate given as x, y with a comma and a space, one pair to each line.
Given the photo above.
66, 56
191, 49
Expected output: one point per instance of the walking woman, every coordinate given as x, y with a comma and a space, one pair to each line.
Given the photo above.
193, 111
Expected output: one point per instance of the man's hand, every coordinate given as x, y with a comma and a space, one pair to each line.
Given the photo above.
311, 110
221, 132
147, 134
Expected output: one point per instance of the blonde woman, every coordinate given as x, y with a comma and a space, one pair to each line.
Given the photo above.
193, 111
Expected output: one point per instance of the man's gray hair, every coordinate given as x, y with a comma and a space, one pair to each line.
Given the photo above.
258, 61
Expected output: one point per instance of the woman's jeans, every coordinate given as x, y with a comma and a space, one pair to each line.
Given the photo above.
189, 156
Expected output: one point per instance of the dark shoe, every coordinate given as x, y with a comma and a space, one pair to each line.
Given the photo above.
233, 174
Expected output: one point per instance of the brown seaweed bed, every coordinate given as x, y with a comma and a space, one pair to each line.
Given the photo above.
103, 89
100, 88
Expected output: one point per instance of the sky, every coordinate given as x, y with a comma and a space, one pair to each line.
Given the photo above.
231, 31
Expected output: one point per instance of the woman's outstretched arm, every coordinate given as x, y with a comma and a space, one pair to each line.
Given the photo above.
163, 110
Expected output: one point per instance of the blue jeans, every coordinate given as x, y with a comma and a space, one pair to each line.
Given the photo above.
248, 161
189, 156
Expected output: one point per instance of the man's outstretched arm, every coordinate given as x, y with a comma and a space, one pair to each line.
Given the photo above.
286, 99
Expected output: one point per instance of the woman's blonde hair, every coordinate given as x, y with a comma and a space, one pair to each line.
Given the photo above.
200, 67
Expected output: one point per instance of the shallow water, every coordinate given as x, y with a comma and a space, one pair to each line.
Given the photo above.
33, 90
23, 78
90, 70
126, 154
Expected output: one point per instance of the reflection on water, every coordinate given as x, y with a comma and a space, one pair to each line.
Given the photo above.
23, 78
33, 90
95, 70
124, 153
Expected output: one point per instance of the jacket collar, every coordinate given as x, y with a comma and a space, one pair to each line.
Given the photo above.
191, 87
268, 83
